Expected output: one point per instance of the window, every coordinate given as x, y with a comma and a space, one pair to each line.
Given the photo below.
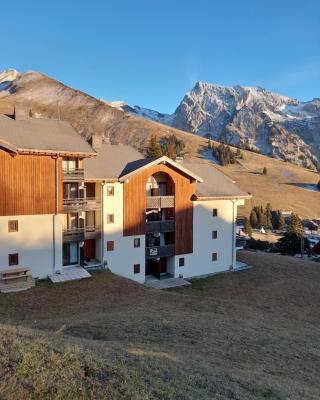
215, 212
110, 191
110, 245
136, 242
13, 225
181, 262
136, 269
13, 259
110, 218
214, 256
214, 234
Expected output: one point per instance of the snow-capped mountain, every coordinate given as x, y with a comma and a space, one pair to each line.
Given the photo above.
251, 117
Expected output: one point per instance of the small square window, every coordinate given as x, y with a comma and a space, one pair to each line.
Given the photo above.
214, 256
214, 234
110, 245
13, 225
136, 242
215, 212
110, 191
110, 218
181, 262
13, 259
136, 269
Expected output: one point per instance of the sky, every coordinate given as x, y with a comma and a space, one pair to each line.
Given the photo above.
150, 53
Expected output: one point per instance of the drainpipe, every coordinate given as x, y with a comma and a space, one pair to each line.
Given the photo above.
233, 232
102, 224
56, 210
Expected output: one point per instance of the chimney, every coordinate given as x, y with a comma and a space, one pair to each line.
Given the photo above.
21, 113
96, 141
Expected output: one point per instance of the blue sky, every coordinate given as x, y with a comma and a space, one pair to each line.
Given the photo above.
151, 52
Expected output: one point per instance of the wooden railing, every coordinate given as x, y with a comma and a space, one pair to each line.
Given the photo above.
159, 226
160, 251
81, 203
75, 174
160, 201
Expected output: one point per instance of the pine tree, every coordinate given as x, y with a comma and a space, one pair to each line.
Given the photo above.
268, 216
264, 171
153, 149
281, 221
247, 227
253, 219
294, 225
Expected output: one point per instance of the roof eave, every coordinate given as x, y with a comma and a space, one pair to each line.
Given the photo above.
83, 154
233, 197
164, 160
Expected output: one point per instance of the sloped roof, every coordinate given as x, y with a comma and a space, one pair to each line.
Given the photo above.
41, 135
110, 162
215, 184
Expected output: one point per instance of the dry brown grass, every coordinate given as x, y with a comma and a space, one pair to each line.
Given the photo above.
252, 334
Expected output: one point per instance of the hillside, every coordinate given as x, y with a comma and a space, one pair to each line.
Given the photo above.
49, 98
248, 335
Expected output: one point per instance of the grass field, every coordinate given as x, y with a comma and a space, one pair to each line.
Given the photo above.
253, 334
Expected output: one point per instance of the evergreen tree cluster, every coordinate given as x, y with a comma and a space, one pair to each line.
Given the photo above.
266, 217
224, 154
169, 146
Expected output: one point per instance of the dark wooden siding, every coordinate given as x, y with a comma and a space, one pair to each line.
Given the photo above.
135, 206
27, 184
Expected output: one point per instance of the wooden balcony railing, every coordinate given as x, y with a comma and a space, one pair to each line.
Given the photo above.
160, 251
80, 234
81, 203
159, 226
73, 175
160, 201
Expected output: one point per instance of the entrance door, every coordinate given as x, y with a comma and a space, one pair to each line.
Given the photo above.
89, 249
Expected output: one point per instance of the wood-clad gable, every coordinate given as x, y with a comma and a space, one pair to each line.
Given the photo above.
27, 184
134, 205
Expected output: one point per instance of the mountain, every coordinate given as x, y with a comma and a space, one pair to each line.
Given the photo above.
250, 117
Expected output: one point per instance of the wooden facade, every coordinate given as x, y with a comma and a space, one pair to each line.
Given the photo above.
27, 184
134, 212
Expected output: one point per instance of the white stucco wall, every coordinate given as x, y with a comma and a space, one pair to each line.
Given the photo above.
200, 261
122, 259
33, 242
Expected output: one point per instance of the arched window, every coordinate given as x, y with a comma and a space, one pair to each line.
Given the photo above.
160, 184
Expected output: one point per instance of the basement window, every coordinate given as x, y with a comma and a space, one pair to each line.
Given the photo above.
181, 262
13, 225
136, 242
13, 259
110, 245
136, 269
110, 191
215, 212
214, 234
214, 257
110, 218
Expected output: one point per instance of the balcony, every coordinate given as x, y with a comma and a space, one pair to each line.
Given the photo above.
80, 234
159, 226
73, 174
160, 201
81, 204
160, 251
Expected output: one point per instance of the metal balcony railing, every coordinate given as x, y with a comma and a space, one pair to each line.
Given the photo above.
73, 174
80, 234
159, 226
81, 203
160, 201
160, 251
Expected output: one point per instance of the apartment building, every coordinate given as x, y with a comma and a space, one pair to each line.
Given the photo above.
65, 203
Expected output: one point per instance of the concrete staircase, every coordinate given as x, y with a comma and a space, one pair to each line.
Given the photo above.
15, 280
